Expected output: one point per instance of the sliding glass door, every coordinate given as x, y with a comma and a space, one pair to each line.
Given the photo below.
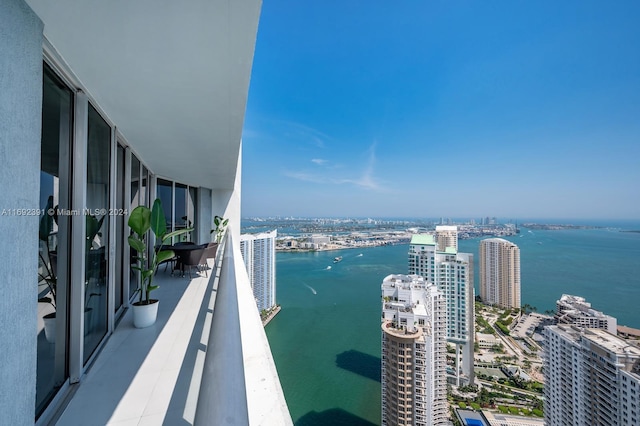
179, 204
97, 232
53, 233
119, 218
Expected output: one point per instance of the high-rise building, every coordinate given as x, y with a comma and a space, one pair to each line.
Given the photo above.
500, 273
591, 378
577, 311
259, 254
414, 389
436, 258
447, 236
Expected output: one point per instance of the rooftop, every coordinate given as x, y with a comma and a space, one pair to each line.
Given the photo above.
423, 239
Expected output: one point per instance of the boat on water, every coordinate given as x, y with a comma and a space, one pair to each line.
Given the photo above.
337, 259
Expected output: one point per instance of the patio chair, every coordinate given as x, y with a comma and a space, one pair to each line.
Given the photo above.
209, 253
190, 259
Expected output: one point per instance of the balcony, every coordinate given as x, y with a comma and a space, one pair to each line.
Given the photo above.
205, 361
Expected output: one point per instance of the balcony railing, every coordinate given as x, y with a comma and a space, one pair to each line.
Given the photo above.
240, 384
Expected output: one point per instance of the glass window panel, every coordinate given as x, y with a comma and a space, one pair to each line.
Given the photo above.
135, 181
52, 338
135, 197
119, 217
192, 216
181, 209
97, 224
144, 189
164, 190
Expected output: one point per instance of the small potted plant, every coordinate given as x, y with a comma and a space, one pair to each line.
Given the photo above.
142, 222
48, 274
220, 225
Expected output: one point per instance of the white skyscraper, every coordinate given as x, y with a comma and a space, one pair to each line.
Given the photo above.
414, 389
259, 254
436, 258
591, 378
500, 273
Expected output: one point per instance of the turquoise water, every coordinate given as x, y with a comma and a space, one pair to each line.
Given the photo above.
326, 339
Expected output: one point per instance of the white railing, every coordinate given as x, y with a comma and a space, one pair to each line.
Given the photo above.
240, 384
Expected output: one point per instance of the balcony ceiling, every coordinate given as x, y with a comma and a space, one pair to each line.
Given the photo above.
173, 76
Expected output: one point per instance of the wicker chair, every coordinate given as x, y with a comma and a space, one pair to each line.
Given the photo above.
190, 259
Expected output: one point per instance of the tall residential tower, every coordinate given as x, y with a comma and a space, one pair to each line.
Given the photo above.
414, 389
259, 254
436, 258
500, 273
591, 378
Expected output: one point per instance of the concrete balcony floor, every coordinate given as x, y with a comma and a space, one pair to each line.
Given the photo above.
151, 376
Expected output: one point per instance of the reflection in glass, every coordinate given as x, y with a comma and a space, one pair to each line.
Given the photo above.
119, 223
144, 188
57, 118
181, 209
164, 189
181, 213
97, 224
135, 202
192, 218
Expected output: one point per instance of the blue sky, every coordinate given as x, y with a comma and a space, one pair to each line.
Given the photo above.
444, 108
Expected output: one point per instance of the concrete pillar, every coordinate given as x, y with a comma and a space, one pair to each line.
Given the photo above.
20, 128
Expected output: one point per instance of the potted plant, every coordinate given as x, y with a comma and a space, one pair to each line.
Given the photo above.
220, 225
48, 274
142, 222
49, 264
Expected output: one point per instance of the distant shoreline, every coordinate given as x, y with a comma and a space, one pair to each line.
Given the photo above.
554, 227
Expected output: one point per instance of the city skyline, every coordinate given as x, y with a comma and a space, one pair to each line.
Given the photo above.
528, 109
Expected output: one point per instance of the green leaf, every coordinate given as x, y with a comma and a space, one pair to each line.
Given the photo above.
93, 226
152, 287
147, 273
140, 220
158, 222
136, 244
176, 233
164, 255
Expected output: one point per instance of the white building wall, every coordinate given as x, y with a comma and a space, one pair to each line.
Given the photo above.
591, 377
258, 252
630, 398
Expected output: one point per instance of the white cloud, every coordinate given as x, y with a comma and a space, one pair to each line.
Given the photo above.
366, 180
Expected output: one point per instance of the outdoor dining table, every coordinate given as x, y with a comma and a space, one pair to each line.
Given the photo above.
179, 249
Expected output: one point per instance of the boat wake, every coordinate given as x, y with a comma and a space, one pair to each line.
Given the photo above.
313, 290
360, 255
327, 268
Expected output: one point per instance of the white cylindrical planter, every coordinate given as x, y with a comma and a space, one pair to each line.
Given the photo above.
50, 327
145, 315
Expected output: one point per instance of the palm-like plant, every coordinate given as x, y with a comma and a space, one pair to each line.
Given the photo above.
141, 221
220, 225
48, 274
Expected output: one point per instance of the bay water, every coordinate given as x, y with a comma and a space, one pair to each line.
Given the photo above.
326, 339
